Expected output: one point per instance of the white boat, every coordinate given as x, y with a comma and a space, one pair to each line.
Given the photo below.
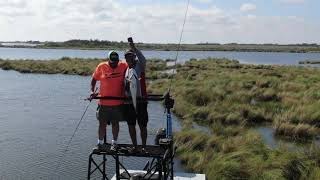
137, 175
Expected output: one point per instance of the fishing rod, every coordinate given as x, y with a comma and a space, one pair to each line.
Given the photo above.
74, 133
168, 100
179, 44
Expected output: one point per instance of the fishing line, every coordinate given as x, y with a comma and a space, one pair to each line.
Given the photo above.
128, 30
179, 45
74, 133
177, 54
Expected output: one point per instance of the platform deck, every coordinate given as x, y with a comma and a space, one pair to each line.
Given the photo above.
123, 150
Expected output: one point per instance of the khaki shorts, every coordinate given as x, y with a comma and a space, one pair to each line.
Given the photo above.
111, 114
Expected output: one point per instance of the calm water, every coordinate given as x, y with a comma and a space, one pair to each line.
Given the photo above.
244, 57
38, 114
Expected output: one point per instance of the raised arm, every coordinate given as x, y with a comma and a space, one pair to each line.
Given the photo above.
140, 56
142, 60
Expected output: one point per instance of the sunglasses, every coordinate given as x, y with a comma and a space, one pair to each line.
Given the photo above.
114, 58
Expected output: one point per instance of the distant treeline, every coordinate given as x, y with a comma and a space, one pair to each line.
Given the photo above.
76, 43
264, 44
105, 44
102, 44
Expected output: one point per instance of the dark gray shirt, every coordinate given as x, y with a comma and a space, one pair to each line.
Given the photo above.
139, 68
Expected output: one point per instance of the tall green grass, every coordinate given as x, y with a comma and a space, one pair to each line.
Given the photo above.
243, 156
229, 98
223, 91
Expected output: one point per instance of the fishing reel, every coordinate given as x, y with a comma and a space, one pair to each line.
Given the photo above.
161, 138
161, 134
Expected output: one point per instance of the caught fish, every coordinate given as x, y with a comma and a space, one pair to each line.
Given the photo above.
134, 85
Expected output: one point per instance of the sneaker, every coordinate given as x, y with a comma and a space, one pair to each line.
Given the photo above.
114, 147
133, 150
98, 147
144, 151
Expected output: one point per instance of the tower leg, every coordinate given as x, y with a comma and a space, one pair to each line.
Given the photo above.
104, 158
171, 169
104, 167
89, 167
117, 167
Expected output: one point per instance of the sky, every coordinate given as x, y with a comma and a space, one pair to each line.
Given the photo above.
160, 21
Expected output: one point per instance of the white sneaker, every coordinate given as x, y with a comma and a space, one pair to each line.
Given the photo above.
114, 146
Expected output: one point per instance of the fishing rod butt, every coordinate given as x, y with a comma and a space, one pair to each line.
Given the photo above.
168, 101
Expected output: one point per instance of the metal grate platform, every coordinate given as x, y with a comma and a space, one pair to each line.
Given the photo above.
123, 150
161, 166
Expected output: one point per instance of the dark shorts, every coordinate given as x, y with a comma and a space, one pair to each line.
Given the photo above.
109, 113
131, 116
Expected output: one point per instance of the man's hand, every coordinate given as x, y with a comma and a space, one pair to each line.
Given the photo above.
92, 95
131, 43
132, 46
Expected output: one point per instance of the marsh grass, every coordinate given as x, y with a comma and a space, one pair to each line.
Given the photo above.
229, 98
64, 65
224, 91
243, 156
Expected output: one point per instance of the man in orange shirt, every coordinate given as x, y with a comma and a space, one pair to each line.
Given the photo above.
110, 74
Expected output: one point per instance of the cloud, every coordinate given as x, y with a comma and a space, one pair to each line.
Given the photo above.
15, 8
248, 7
148, 22
293, 1
13, 3
203, 1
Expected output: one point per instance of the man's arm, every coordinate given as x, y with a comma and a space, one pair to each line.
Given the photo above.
93, 85
93, 93
141, 57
